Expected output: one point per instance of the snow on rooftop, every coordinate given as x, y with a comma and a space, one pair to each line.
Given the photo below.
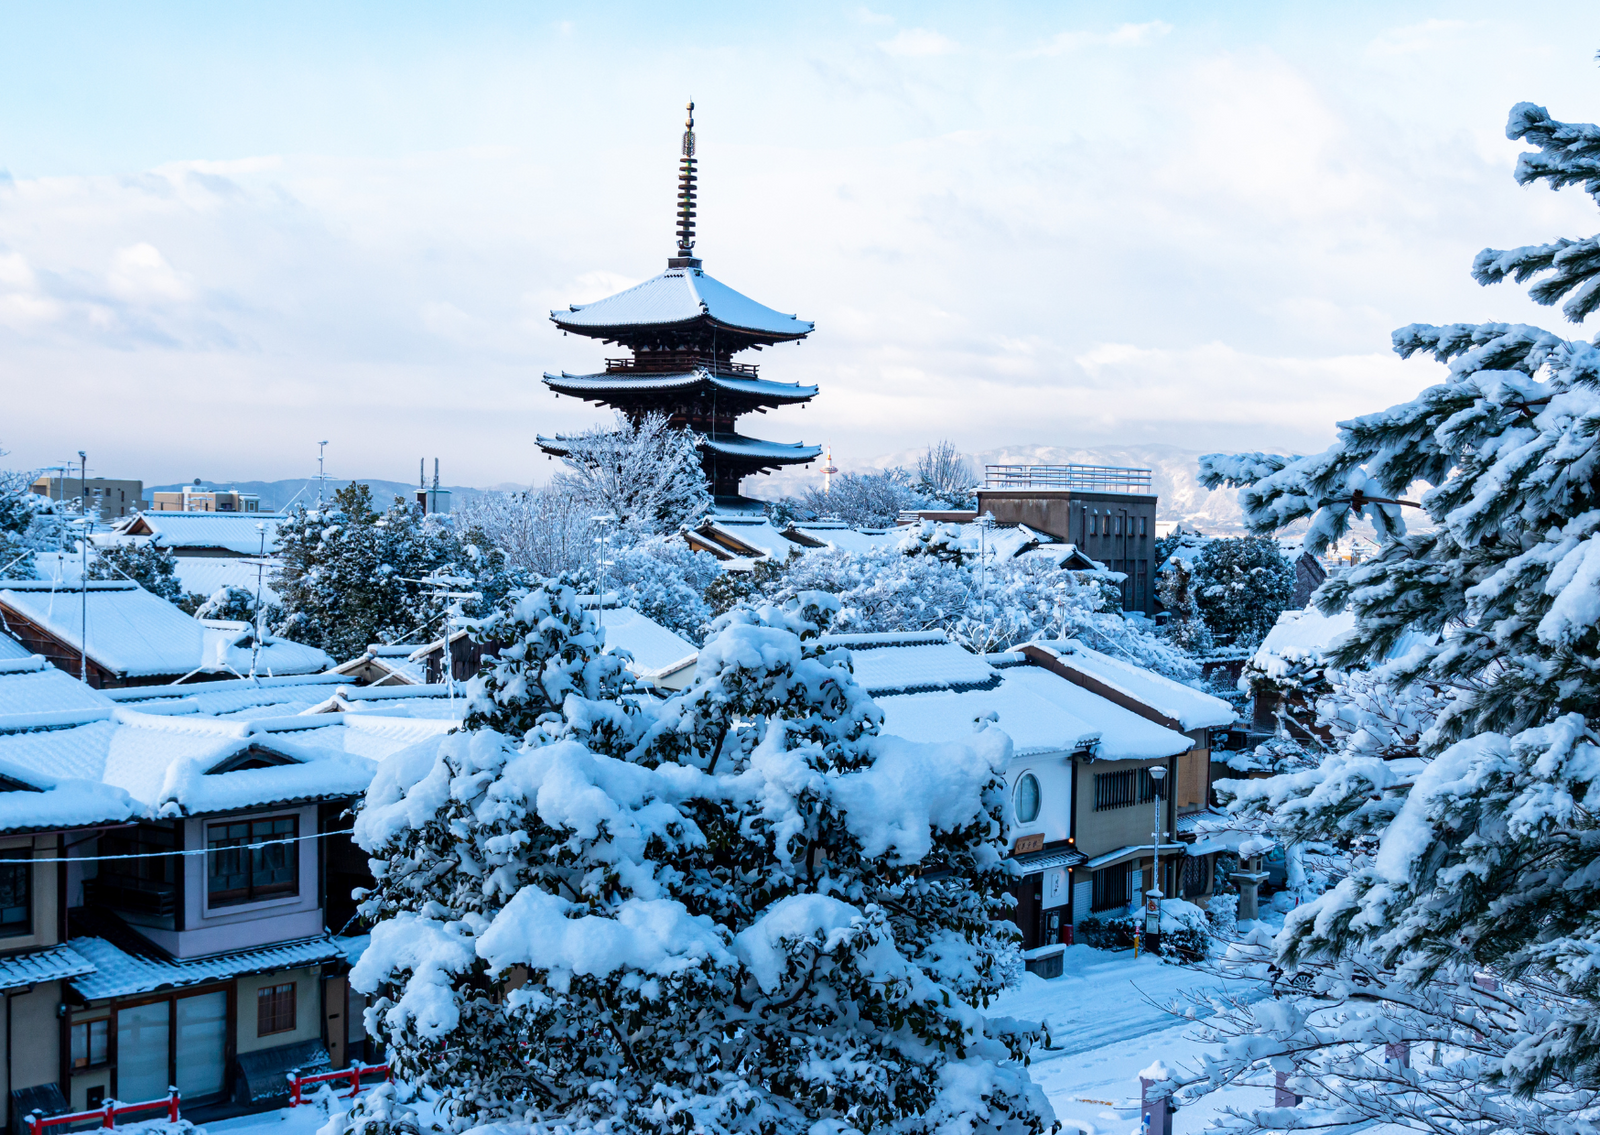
12, 650
888, 666
285, 695
1034, 724
1299, 640
680, 295
1183, 704
32, 686
204, 575
235, 531
848, 539
140, 635
657, 651
650, 380
38, 966
117, 973
737, 445
1124, 735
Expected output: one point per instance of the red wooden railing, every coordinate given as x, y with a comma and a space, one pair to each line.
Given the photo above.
108, 1114
352, 1073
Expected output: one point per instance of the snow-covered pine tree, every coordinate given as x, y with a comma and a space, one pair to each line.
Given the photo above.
646, 473
1178, 591
348, 573
741, 910
1245, 584
152, 568
1468, 923
17, 512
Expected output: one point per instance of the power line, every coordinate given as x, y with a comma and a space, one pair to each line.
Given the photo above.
192, 851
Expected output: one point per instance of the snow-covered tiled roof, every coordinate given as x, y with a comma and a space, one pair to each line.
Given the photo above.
117, 973
285, 695
37, 966
892, 663
1173, 700
848, 539
679, 296
1035, 725
1124, 735
657, 652
204, 575
166, 763
30, 685
11, 649
1299, 640
131, 631
761, 388
235, 531
140, 635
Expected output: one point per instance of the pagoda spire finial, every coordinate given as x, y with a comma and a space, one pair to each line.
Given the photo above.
686, 192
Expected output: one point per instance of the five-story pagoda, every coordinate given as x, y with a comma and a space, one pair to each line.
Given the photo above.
682, 329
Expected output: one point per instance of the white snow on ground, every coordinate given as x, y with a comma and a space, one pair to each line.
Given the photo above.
1107, 1020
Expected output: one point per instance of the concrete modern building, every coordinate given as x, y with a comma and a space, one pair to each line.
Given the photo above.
112, 499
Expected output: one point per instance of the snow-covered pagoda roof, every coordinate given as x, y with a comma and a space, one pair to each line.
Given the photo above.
753, 450
680, 297
759, 390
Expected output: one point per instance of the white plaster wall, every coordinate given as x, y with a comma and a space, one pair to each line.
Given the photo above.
1054, 773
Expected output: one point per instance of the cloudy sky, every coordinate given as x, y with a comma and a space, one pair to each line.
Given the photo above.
230, 231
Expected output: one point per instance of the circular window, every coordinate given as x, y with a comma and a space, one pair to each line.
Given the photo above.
1027, 799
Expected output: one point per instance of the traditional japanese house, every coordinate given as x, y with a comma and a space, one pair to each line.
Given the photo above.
681, 330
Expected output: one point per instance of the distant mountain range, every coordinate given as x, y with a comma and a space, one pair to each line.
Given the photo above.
1174, 475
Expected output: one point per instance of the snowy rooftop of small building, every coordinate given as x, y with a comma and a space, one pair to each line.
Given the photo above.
178, 764
10, 648
848, 539
896, 663
30, 685
647, 380
116, 973
1299, 640
1035, 725
1124, 735
657, 651
235, 531
137, 634
679, 296
1183, 704
286, 695
38, 966
197, 575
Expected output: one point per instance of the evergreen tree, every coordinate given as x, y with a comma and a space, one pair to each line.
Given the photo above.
741, 910
153, 568
1178, 591
1461, 782
1245, 584
17, 512
350, 575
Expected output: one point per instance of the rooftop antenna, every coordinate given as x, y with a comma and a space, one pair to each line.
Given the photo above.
435, 474
686, 195
261, 565
83, 583
441, 584
322, 477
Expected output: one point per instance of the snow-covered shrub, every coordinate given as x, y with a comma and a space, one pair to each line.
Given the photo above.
1114, 932
1185, 933
1460, 785
738, 910
543, 532
665, 579
1223, 913
944, 477
866, 500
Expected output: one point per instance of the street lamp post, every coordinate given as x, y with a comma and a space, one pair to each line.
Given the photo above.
1153, 896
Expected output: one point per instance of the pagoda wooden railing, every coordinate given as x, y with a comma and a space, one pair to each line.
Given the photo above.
1083, 478
680, 363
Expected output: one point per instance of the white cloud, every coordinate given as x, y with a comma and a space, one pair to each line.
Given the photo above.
920, 42
872, 19
1429, 35
140, 274
1125, 35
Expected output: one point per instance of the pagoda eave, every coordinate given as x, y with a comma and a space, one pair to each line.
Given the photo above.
618, 389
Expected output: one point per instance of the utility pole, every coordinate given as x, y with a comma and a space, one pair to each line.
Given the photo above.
83, 583
322, 477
